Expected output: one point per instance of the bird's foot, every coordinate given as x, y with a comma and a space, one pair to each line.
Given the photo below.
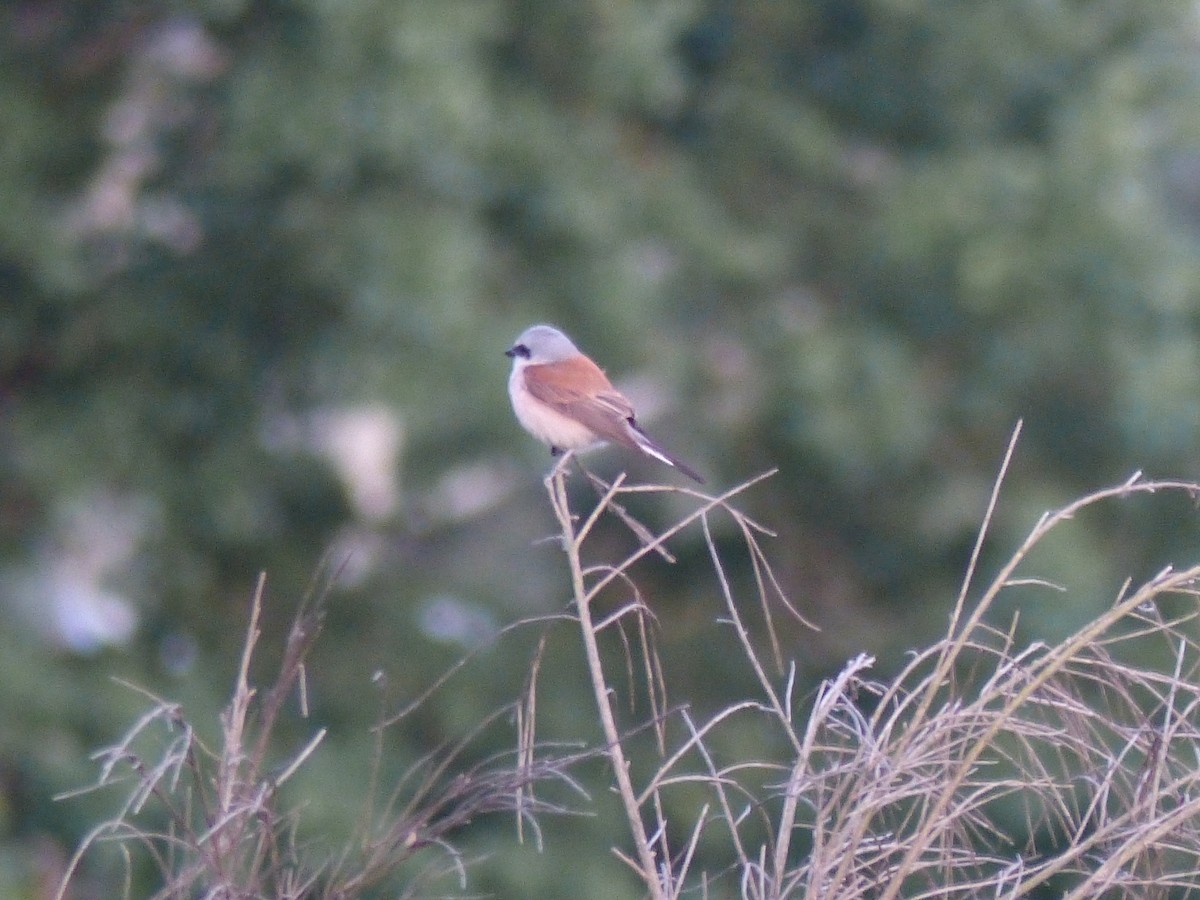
564, 459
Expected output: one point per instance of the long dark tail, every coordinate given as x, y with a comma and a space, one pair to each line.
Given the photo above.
647, 445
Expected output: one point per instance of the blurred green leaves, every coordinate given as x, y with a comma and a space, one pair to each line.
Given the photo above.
857, 241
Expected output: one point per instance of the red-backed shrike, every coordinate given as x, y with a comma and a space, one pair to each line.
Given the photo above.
565, 400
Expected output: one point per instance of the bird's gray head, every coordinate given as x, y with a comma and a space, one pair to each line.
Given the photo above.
541, 344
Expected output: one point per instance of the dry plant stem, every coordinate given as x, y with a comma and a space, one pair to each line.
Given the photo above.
743, 635
1039, 671
1002, 580
654, 857
900, 799
526, 717
959, 636
603, 492
708, 503
572, 541
235, 719
207, 821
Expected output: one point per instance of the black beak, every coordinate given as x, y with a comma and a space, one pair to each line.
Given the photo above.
510, 352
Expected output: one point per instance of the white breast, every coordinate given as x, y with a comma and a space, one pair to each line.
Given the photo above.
545, 424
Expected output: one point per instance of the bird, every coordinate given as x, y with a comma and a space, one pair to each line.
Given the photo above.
565, 400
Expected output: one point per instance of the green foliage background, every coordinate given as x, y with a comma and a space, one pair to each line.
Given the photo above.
854, 239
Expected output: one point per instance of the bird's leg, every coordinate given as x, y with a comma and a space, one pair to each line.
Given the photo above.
564, 458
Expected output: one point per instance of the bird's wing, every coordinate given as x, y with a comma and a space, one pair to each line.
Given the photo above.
579, 389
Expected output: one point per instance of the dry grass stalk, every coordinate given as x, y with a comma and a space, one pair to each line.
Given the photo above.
211, 823
983, 768
929, 784
661, 868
